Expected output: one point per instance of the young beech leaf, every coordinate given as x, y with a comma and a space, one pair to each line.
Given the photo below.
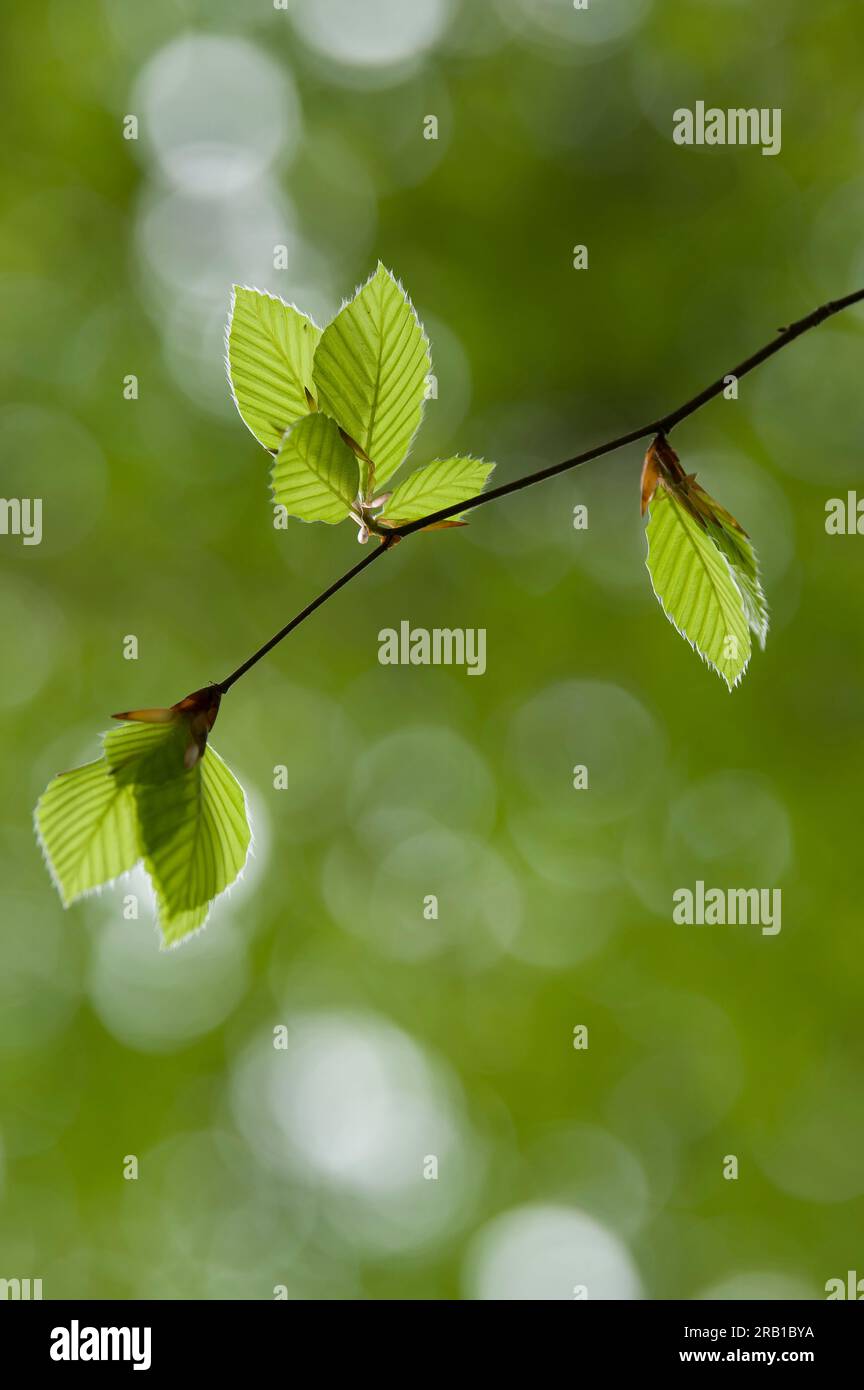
316, 476
662, 467
694, 584
736, 545
437, 485
146, 799
270, 350
87, 828
194, 833
370, 373
136, 750
86, 819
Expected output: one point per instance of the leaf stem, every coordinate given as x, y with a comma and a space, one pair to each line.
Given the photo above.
662, 426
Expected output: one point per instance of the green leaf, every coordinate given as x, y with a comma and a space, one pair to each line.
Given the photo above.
86, 825
738, 549
663, 466
139, 801
316, 475
194, 835
86, 820
370, 373
131, 747
440, 484
694, 584
271, 346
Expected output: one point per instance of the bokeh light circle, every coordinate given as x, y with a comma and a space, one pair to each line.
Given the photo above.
159, 1001
382, 35
549, 1253
215, 112
353, 1107
596, 725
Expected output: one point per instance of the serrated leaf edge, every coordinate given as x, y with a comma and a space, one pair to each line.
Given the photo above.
267, 294
730, 685
426, 342
140, 862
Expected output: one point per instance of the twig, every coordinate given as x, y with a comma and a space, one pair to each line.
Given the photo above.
367, 560
662, 426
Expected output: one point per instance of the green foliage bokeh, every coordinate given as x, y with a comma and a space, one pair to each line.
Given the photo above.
402, 782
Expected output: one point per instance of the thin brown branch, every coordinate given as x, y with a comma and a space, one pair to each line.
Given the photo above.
301, 617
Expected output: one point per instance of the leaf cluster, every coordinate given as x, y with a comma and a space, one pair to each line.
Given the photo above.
338, 408
145, 800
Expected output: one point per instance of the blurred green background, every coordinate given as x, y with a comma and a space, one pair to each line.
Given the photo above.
408, 1038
